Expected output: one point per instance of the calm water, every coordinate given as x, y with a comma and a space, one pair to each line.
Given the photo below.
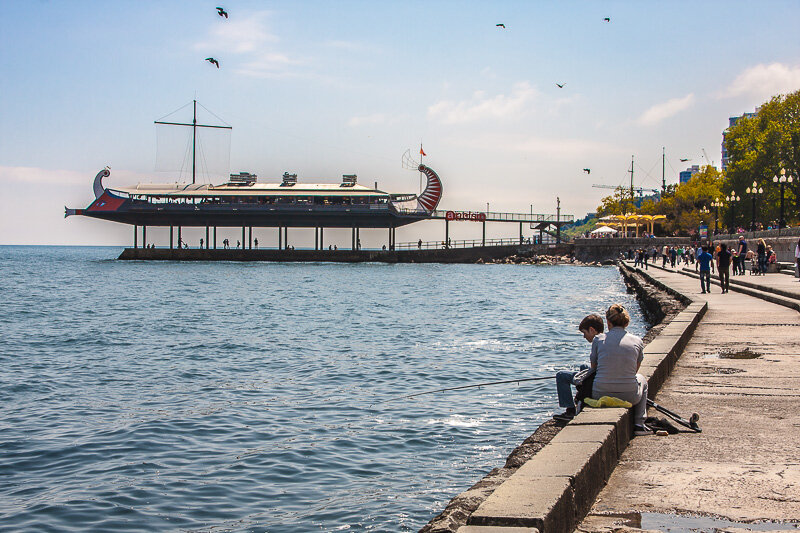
241, 397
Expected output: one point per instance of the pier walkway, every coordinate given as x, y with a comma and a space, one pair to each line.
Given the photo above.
740, 371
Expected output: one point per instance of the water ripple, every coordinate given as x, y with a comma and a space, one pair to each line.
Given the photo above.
246, 397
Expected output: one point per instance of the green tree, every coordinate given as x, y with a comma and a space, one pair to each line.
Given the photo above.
758, 148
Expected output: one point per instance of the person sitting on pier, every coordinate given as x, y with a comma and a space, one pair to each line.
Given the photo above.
617, 356
591, 326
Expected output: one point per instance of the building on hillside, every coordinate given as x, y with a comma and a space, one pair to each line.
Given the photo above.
731, 123
687, 174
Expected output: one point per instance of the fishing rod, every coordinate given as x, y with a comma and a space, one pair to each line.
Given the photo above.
463, 387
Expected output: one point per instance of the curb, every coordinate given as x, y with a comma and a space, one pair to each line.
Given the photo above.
554, 490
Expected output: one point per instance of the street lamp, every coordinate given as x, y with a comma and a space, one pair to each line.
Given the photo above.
755, 190
783, 180
716, 204
732, 198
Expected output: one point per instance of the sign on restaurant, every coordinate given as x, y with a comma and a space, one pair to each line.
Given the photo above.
465, 215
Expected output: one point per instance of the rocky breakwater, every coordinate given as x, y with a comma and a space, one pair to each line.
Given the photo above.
543, 260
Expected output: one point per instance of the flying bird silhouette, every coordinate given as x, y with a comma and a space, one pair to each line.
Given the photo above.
684, 160
587, 170
501, 26
222, 13
607, 19
560, 85
213, 61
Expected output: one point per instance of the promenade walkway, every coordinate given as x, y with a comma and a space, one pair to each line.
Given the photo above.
745, 465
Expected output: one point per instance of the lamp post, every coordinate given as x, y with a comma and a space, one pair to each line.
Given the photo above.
716, 204
755, 190
703, 212
783, 180
732, 198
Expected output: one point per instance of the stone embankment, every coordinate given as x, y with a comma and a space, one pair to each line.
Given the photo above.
550, 481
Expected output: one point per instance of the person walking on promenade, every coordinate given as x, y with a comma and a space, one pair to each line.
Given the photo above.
673, 256
591, 326
797, 257
706, 266
664, 256
723, 264
617, 356
761, 250
742, 253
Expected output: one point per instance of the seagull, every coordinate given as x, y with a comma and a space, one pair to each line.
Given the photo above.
684, 160
213, 61
501, 26
222, 12
560, 85
587, 170
607, 19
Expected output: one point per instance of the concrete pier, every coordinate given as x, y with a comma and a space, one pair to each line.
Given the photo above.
449, 255
744, 466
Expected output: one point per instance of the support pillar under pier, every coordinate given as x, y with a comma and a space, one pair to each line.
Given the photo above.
316, 238
135, 236
483, 238
180, 239
280, 238
144, 236
286, 237
215, 237
170, 238
447, 233
207, 245
321, 244
250, 238
243, 241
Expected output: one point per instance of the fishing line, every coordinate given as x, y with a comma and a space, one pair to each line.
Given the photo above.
462, 387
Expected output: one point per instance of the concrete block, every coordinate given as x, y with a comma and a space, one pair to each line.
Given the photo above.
605, 435
585, 463
545, 503
495, 529
619, 417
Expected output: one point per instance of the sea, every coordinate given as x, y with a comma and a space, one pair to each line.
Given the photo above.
226, 396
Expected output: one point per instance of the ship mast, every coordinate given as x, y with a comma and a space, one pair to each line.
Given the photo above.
194, 126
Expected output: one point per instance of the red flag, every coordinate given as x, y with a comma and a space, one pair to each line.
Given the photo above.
421, 151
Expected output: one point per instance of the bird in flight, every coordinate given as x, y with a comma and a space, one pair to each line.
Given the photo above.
501, 26
587, 170
684, 160
607, 19
560, 85
222, 13
213, 61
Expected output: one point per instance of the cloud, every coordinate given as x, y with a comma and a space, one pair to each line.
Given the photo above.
667, 109
549, 146
248, 45
266, 65
242, 35
763, 81
43, 176
481, 106
373, 119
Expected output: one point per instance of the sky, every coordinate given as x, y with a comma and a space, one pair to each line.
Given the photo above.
325, 88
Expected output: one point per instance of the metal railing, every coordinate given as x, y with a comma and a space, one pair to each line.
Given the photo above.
494, 216
473, 243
